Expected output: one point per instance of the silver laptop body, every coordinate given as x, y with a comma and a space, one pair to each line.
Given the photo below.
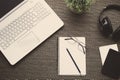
25, 27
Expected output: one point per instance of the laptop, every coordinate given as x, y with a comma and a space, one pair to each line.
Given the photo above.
24, 24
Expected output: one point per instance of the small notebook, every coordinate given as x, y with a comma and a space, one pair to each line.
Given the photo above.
111, 66
105, 49
72, 56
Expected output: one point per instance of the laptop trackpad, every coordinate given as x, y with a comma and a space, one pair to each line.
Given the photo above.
28, 42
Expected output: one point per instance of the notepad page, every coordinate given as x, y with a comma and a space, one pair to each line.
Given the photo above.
65, 64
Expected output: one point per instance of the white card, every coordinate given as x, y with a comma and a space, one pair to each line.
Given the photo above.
105, 49
66, 65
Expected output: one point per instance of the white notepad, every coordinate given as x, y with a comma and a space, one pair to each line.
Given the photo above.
66, 66
104, 51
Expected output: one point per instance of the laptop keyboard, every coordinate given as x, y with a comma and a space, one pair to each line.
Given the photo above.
22, 24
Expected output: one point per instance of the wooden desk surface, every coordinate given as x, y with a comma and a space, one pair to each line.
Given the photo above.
41, 63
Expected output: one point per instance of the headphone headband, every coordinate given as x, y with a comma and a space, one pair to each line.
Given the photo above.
115, 7
109, 7
106, 26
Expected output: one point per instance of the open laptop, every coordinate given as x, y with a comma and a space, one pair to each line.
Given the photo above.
24, 24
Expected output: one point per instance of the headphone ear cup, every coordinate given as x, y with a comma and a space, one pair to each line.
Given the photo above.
116, 34
106, 26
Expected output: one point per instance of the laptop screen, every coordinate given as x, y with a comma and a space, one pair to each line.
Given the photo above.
8, 5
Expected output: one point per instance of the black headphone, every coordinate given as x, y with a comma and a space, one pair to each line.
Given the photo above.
106, 25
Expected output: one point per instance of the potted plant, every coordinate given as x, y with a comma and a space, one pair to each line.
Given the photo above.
79, 6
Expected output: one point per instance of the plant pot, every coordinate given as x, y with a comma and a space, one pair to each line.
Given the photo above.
79, 6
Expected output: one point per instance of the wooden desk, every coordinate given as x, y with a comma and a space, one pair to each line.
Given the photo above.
41, 63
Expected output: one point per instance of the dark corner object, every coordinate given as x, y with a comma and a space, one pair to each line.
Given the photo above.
111, 67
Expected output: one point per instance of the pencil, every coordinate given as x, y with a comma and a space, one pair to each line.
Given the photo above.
73, 61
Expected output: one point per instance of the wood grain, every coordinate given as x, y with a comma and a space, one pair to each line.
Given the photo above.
41, 63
